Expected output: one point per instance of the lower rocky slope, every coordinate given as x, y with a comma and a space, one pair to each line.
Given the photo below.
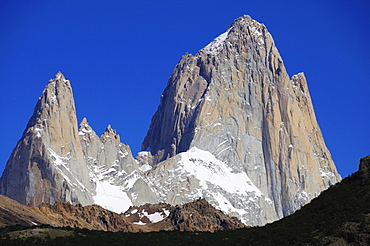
195, 216
339, 216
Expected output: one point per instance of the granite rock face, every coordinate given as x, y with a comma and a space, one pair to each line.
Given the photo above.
235, 100
48, 163
118, 177
57, 160
232, 127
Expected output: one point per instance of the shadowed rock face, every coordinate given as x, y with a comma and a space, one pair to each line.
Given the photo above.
364, 167
195, 216
232, 127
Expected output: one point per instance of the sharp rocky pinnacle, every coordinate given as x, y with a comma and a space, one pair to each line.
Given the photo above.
232, 127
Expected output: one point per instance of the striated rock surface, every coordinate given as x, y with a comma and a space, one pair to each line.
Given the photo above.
232, 127
56, 160
235, 100
48, 163
114, 171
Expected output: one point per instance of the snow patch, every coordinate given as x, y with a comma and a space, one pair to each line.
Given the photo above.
145, 167
38, 131
61, 165
154, 217
216, 45
123, 154
326, 174
166, 212
139, 223
225, 205
111, 197
205, 167
84, 130
143, 154
255, 31
301, 198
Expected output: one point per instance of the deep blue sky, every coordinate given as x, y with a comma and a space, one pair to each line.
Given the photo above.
118, 56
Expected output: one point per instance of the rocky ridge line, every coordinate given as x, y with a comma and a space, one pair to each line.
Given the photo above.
195, 216
231, 127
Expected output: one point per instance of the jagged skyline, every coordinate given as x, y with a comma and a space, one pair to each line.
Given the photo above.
118, 58
242, 134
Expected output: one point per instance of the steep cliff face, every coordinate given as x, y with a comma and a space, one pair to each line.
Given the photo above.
56, 160
232, 127
117, 175
235, 100
48, 163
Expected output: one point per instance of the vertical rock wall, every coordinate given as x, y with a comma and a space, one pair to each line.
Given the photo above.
48, 163
232, 127
235, 99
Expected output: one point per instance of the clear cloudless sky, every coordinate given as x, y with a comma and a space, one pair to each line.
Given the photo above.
118, 56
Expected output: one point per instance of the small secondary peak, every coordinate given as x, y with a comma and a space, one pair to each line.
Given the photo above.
110, 134
84, 122
109, 129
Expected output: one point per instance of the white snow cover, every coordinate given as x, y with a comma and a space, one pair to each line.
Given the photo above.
111, 197
84, 130
153, 218
139, 223
156, 217
227, 190
38, 131
61, 165
108, 194
216, 45
255, 31
145, 167
326, 174
208, 169
143, 154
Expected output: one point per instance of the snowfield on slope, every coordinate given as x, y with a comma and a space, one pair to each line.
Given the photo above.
196, 174
111, 197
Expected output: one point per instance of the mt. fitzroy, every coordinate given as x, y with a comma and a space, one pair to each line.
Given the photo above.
231, 127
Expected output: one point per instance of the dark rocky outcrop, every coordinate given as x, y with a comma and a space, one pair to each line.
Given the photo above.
195, 216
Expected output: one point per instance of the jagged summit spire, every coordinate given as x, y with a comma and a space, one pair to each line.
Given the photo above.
242, 134
235, 100
49, 148
110, 134
243, 28
85, 128
242, 19
56, 104
84, 122
58, 77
